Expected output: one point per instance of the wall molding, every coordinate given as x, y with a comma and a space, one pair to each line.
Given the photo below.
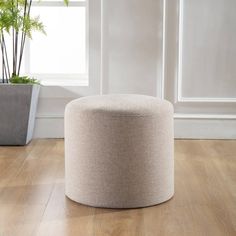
186, 126
205, 116
204, 99
102, 50
162, 81
205, 128
179, 98
176, 116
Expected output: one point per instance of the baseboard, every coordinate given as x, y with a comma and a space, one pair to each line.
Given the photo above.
49, 127
186, 127
205, 129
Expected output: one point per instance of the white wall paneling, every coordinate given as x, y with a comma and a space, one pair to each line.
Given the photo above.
207, 50
199, 74
182, 50
132, 46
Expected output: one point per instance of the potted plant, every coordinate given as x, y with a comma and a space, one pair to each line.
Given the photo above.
18, 94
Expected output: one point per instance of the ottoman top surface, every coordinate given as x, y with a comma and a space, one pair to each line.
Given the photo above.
121, 104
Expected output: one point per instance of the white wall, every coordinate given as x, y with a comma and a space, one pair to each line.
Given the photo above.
183, 51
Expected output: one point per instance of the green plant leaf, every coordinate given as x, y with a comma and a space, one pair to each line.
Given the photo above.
66, 2
15, 79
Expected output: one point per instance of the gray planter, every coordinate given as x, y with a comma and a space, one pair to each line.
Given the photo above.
18, 104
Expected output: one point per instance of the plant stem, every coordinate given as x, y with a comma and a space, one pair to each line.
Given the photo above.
16, 41
5, 68
24, 34
13, 51
3, 80
5, 71
22, 41
16, 50
6, 56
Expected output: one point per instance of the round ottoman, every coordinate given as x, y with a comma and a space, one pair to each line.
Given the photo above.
119, 151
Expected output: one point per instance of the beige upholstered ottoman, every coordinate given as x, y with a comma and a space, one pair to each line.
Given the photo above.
119, 151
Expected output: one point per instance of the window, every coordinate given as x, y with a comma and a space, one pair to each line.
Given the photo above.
62, 54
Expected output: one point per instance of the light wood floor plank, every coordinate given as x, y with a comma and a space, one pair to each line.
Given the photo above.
32, 200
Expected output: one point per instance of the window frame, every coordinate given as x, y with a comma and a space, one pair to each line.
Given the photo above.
59, 78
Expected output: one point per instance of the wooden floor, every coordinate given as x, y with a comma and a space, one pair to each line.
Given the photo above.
32, 200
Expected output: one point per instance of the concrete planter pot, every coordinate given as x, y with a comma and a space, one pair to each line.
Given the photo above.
18, 105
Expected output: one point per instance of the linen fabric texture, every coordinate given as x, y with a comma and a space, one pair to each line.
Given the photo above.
119, 151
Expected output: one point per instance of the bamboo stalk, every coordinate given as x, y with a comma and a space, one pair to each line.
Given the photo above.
3, 80
22, 41
24, 36
16, 50
13, 51
5, 71
6, 56
16, 41
5, 68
